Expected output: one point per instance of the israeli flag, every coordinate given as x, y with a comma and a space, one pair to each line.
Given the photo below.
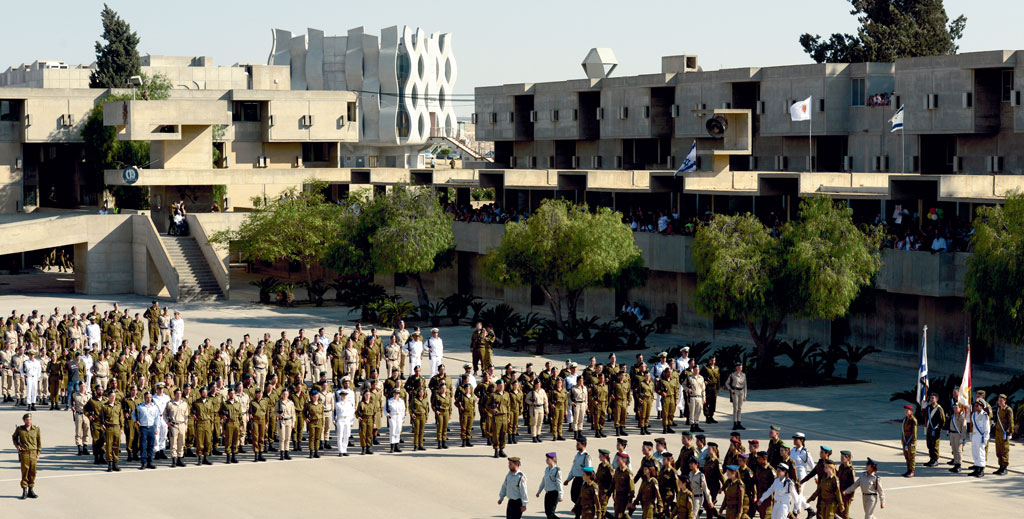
690, 162
922, 371
897, 120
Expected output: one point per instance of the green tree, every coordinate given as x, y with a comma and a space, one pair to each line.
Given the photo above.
563, 249
994, 283
402, 231
300, 226
814, 271
890, 29
117, 60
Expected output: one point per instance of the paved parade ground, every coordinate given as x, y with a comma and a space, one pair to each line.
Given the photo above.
459, 482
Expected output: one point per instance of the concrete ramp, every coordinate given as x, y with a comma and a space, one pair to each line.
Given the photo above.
114, 254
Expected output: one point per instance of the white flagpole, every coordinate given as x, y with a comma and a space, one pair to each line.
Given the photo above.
903, 152
810, 139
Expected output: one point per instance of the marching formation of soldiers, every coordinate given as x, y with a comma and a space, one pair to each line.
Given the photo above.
976, 425
750, 482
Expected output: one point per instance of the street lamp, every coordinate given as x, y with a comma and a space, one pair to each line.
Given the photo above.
136, 82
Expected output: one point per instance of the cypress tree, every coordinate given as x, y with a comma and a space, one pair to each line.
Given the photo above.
117, 60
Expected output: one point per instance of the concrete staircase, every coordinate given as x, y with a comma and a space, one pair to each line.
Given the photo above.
195, 279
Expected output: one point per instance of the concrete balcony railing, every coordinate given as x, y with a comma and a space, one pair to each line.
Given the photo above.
903, 272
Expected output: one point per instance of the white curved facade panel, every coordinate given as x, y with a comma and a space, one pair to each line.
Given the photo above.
315, 60
389, 87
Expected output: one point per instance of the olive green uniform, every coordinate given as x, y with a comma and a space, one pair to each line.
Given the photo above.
112, 420
735, 498
1003, 427
314, 415
830, 496
558, 399
419, 409
231, 412
622, 491
466, 403
28, 442
499, 408
442, 405
909, 441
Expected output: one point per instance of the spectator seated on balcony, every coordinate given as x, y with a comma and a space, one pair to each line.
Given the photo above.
663, 222
632, 311
908, 242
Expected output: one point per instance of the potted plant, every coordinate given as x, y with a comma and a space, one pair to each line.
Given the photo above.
267, 286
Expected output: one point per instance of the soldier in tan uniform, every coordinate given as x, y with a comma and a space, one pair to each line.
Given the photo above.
695, 388
536, 402
286, 421
82, 433
176, 415
737, 386
870, 486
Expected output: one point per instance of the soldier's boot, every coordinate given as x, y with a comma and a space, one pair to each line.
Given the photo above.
469, 442
495, 453
1001, 471
287, 454
270, 447
310, 456
501, 452
241, 449
624, 433
316, 453
174, 462
950, 462
227, 458
116, 468
369, 449
671, 430
255, 456
234, 457
85, 450
216, 452
199, 460
696, 428
739, 425
955, 468
24, 493
262, 457
181, 462
206, 460
980, 473
96, 459
32, 493
930, 463
298, 446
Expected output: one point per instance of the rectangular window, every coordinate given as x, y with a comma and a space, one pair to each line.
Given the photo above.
315, 152
352, 114
8, 112
857, 92
246, 111
1007, 85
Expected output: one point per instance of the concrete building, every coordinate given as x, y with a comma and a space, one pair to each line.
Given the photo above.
318, 109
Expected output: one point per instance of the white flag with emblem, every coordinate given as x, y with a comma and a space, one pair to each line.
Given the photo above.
801, 110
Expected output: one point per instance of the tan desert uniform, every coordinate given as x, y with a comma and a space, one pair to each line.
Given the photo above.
350, 360
578, 401
18, 360
695, 391
259, 367
176, 413
871, 492
244, 398
286, 421
101, 373
6, 370
536, 402
82, 433
164, 323
392, 356
403, 337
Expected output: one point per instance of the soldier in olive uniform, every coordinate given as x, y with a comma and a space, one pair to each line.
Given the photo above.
131, 427
558, 402
204, 412
92, 411
605, 479
649, 496
713, 381
600, 398
314, 418
231, 412
829, 492
620, 394
419, 411
498, 409
847, 477
112, 420
644, 394
258, 414
441, 401
1003, 431
466, 404
365, 412
589, 498
28, 441
668, 390
622, 487
909, 439
734, 504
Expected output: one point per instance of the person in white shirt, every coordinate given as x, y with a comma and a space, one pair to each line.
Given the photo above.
32, 370
435, 350
662, 223
161, 399
575, 476
551, 485
683, 362
660, 367
147, 414
468, 377
939, 243
395, 411
514, 488
92, 333
344, 415
177, 331
981, 427
86, 359
414, 350
783, 490
803, 462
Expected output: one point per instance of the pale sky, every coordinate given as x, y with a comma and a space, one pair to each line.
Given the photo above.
494, 42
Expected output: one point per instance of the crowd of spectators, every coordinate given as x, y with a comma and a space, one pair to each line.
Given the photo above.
489, 213
883, 99
935, 233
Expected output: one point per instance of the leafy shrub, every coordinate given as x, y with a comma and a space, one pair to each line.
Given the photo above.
267, 286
